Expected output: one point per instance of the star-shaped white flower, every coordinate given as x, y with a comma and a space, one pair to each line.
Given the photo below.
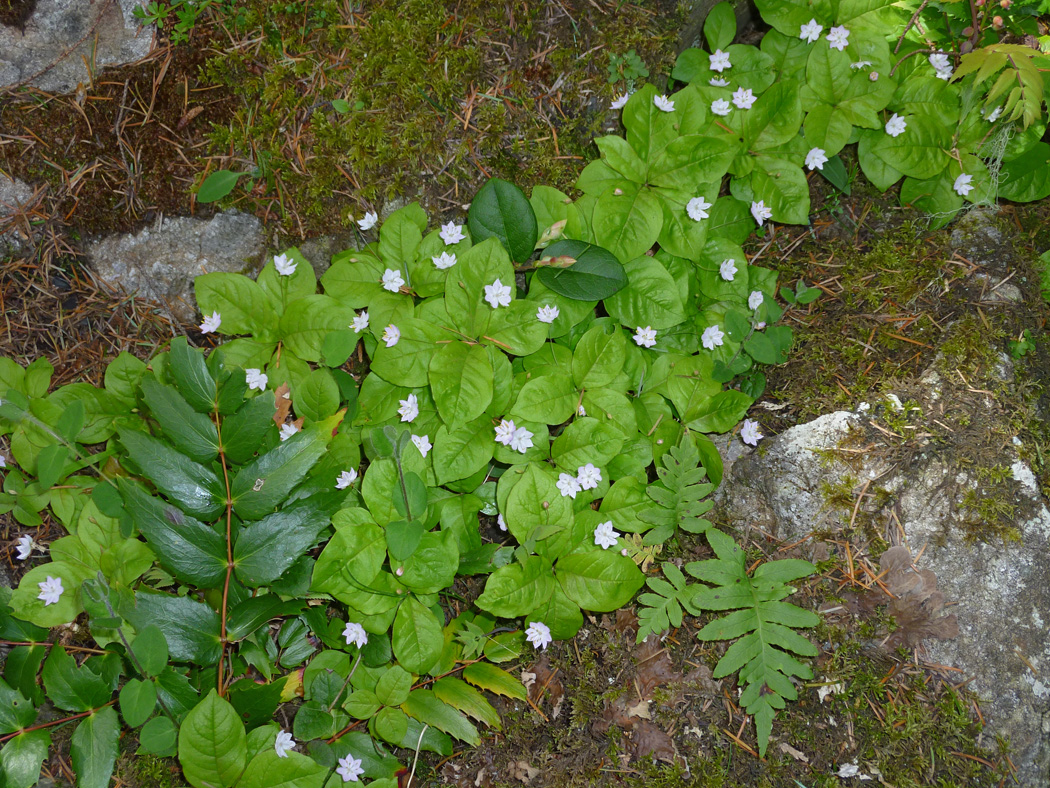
896, 125
391, 335
538, 634
663, 103
718, 82
371, 217
285, 265
345, 479
860, 64
620, 101
452, 233
350, 769
754, 301
211, 323
942, 66
392, 280
743, 98
505, 432
581, 411
3, 462
501, 522
547, 313
727, 270
521, 441
355, 634
256, 379
360, 322
838, 38
749, 433
422, 443
816, 159
24, 546
721, 107
697, 208
761, 212
409, 408
604, 535
995, 115
444, 260
497, 294
645, 337
283, 743
287, 431
963, 185
719, 61
567, 485
50, 590
811, 31
712, 337
588, 476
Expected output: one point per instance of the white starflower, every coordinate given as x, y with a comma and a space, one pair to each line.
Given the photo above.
743, 98
350, 769
538, 634
761, 212
345, 479
620, 101
816, 159
256, 379
547, 313
995, 115
645, 337
896, 125
444, 260
283, 743
567, 485
838, 38
422, 443
50, 590
452, 233
3, 462
749, 433
287, 431
581, 411
942, 66
391, 335
712, 337
721, 107
392, 280
409, 408
355, 634
588, 476
371, 217
604, 535
860, 64
811, 31
719, 61
211, 323
718, 82
697, 208
501, 522
505, 432
754, 301
25, 547
285, 265
497, 294
727, 270
360, 322
521, 441
663, 103
963, 185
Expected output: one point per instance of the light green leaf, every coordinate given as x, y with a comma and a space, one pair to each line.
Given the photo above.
212, 748
599, 357
600, 580
651, 297
627, 221
93, 748
518, 588
416, 638
307, 321
240, 302
460, 378
424, 706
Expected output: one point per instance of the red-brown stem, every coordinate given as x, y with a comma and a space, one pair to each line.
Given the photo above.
48, 644
55, 722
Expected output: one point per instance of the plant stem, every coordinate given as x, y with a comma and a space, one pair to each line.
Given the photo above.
229, 561
55, 722
345, 683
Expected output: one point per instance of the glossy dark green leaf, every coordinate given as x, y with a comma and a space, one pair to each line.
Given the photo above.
244, 431
835, 173
191, 628
16, 712
49, 464
191, 375
175, 690
151, 650
138, 698
191, 486
21, 668
189, 549
158, 737
502, 210
595, 274
70, 687
94, 748
192, 433
22, 757
246, 617
255, 703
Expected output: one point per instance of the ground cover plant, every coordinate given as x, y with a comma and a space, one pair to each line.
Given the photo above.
282, 531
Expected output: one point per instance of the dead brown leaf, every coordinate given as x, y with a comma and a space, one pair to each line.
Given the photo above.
648, 739
787, 749
917, 604
284, 403
523, 771
654, 666
544, 678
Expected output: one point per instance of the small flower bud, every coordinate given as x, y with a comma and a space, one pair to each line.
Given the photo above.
1005, 3
400, 571
997, 22
874, 76
546, 505
624, 552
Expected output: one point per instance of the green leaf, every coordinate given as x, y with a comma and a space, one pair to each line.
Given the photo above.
93, 748
212, 747
240, 302
595, 273
267, 548
191, 628
1027, 178
192, 433
496, 680
688, 161
599, 357
835, 172
721, 412
407, 362
191, 486
318, 396
518, 588
463, 451
550, 399
921, 151
268, 770
651, 297
21, 668
16, 712
403, 537
50, 463
416, 638
586, 440
70, 687
501, 210
627, 222
600, 580
783, 187
720, 27
308, 320
461, 382
774, 118
22, 757
137, 700
27, 605
461, 696
534, 501
151, 650
190, 373
191, 550
393, 686
158, 737
424, 706
218, 185
244, 431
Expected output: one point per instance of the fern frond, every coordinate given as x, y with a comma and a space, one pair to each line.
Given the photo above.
764, 625
662, 609
678, 494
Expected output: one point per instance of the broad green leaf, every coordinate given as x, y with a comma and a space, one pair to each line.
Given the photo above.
618, 154
599, 357
1027, 178
501, 210
515, 329
308, 320
357, 551
22, 757
788, 16
627, 222
71, 687
318, 396
193, 487
921, 151
461, 381
496, 680
721, 412
416, 637
93, 748
827, 128
158, 737
464, 450
354, 278
267, 548
424, 706
687, 162
518, 588
600, 580
586, 440
217, 185
407, 362
393, 686
151, 650
16, 712
433, 564
268, 770
478, 267
244, 431
27, 605
191, 628
137, 700
191, 375
783, 187
595, 273
720, 26
651, 297
192, 433
535, 502
212, 747
551, 399
461, 696
240, 302
561, 614
774, 118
